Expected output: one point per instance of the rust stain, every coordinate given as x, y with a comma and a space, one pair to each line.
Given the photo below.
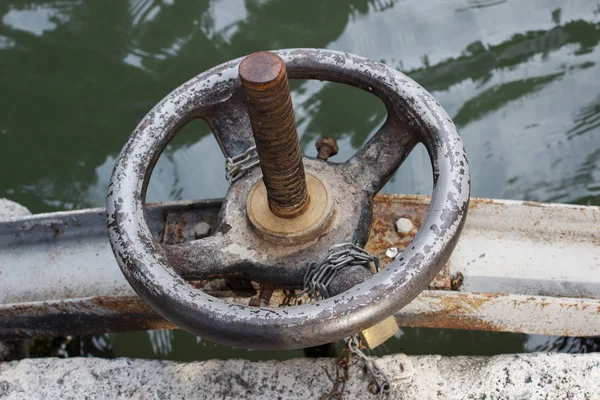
442, 320
533, 204
180, 230
94, 315
450, 319
476, 202
462, 311
125, 305
464, 301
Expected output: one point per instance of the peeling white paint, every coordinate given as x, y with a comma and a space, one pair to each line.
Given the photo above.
240, 251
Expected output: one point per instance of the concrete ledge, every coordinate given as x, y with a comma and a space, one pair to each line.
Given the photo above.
527, 376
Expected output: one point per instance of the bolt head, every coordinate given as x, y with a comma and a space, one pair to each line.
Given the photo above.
404, 225
261, 69
201, 230
392, 252
329, 143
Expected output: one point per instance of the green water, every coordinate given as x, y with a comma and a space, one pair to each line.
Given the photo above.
519, 78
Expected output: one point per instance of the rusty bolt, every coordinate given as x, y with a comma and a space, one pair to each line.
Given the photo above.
327, 147
264, 297
269, 103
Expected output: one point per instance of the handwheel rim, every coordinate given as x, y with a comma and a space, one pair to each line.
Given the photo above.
145, 265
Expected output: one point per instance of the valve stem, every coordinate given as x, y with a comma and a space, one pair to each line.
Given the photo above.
269, 103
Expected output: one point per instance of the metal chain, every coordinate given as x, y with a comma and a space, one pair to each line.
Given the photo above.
317, 279
380, 383
237, 166
342, 375
319, 275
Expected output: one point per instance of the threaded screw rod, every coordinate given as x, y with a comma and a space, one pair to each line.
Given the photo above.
269, 103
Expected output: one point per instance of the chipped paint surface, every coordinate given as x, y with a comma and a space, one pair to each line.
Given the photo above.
413, 116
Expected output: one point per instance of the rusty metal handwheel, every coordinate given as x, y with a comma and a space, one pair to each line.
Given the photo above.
159, 273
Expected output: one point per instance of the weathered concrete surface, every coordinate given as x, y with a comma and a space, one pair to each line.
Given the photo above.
528, 376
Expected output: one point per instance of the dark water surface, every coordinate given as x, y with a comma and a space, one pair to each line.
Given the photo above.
519, 78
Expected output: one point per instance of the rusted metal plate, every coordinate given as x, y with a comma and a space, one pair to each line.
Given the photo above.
58, 275
387, 210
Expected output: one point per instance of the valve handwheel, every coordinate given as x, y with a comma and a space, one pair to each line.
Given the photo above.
284, 215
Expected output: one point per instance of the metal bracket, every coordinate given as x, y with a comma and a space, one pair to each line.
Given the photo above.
59, 276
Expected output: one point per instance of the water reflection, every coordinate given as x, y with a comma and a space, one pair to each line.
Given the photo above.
182, 346
162, 342
36, 20
100, 89
561, 344
520, 80
587, 119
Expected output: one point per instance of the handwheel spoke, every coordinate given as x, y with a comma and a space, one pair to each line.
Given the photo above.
230, 124
375, 162
204, 258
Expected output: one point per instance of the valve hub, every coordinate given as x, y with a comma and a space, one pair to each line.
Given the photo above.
305, 227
